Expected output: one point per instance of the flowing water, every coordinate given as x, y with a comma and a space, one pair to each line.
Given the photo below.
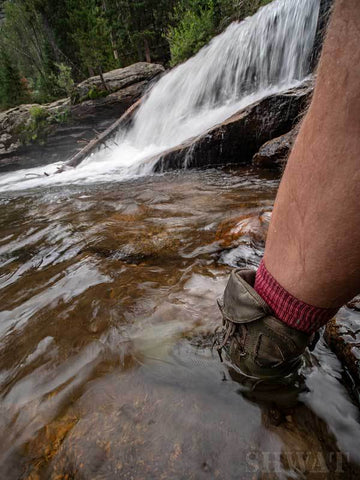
264, 54
108, 297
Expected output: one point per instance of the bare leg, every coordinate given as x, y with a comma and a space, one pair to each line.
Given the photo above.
313, 245
312, 257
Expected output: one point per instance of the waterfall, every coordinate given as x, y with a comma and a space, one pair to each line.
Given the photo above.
270, 49
263, 54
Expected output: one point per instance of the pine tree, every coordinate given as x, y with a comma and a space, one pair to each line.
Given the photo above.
13, 89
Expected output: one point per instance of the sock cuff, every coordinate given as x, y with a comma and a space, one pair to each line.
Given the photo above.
287, 308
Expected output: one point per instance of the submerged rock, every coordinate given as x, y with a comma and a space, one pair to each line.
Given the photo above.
274, 153
239, 137
251, 226
242, 239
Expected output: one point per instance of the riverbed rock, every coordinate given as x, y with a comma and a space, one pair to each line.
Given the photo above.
354, 304
343, 337
252, 226
274, 153
71, 125
239, 137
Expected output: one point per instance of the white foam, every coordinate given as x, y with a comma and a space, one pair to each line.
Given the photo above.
263, 54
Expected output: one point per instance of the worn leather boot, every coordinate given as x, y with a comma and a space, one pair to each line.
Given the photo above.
256, 342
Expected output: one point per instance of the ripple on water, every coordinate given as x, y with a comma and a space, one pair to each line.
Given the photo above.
108, 298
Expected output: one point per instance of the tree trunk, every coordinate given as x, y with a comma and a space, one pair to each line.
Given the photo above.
147, 51
51, 37
103, 79
139, 50
113, 44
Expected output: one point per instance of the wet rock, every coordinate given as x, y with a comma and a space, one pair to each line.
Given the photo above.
323, 20
134, 246
343, 337
239, 137
241, 240
124, 433
253, 226
47, 444
275, 152
354, 304
10, 122
71, 126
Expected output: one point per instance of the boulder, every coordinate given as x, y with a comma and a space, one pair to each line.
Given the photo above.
115, 80
70, 126
325, 9
354, 304
343, 337
251, 226
239, 137
274, 153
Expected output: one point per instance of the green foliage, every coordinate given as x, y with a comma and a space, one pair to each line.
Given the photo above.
96, 92
38, 114
195, 27
62, 115
28, 39
13, 88
93, 93
235, 10
41, 123
47, 45
62, 81
195, 22
37, 127
91, 34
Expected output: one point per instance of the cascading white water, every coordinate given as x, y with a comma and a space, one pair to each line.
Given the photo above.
263, 54
270, 49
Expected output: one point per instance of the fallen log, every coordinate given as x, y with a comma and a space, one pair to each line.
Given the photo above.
123, 121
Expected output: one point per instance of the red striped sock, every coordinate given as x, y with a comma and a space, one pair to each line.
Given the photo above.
290, 310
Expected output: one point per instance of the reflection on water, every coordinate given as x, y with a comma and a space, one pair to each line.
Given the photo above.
108, 297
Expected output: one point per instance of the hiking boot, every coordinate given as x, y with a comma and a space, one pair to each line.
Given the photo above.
255, 341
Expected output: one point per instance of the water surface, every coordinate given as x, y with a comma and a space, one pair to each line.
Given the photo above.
108, 298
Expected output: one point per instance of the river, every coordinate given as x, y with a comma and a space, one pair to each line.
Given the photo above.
108, 298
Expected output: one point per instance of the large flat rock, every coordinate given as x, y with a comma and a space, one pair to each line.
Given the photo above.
238, 138
117, 80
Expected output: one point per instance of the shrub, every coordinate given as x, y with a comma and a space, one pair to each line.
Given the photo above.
195, 22
194, 29
63, 81
41, 123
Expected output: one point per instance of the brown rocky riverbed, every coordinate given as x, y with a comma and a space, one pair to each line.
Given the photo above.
108, 298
